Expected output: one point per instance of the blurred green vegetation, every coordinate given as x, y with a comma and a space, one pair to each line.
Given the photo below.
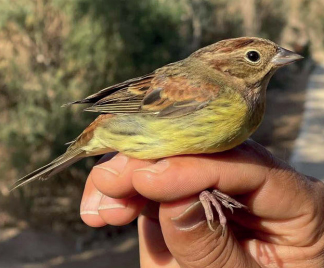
56, 51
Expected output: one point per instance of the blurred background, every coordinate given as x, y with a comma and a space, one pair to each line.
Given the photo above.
56, 51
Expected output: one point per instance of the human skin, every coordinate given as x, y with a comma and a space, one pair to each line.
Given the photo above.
284, 226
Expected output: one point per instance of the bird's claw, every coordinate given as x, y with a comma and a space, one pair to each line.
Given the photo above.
213, 199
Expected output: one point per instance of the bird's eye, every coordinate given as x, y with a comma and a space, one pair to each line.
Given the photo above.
253, 56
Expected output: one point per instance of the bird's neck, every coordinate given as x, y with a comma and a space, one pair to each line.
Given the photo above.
255, 97
257, 105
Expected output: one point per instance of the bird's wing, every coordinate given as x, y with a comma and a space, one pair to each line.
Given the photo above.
164, 93
178, 95
115, 91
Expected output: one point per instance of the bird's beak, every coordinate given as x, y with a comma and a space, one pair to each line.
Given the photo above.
285, 57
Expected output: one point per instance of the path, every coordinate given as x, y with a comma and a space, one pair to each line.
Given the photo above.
30, 248
308, 154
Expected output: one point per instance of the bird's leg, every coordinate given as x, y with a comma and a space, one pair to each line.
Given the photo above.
215, 199
228, 201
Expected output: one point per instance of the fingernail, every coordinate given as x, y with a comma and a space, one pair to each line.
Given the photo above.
191, 218
159, 167
89, 206
116, 165
89, 212
112, 203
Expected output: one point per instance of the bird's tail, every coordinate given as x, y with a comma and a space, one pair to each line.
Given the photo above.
74, 153
51, 169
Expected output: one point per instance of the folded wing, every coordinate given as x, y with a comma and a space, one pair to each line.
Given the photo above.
167, 92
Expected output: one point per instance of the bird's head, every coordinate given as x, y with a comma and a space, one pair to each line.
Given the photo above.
251, 59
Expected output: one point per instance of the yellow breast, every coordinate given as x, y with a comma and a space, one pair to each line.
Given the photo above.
221, 125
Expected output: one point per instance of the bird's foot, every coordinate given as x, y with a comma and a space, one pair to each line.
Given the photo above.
215, 199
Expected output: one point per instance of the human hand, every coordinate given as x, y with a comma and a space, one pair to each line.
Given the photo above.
284, 227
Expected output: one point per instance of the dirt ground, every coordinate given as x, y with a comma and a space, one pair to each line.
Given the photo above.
30, 248
21, 246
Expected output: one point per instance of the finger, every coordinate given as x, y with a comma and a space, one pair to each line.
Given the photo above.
247, 170
97, 210
120, 211
89, 205
113, 177
191, 242
153, 250
238, 171
151, 210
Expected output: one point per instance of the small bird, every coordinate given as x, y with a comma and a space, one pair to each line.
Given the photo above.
209, 102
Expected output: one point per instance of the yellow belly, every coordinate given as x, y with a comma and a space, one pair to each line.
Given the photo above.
220, 126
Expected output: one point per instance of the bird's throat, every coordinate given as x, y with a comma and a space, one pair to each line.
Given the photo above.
257, 105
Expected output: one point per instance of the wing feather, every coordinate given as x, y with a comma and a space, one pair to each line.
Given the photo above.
167, 92
133, 84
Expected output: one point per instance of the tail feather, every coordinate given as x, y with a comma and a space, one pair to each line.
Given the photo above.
50, 169
74, 152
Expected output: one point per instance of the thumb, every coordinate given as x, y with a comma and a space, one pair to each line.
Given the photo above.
193, 244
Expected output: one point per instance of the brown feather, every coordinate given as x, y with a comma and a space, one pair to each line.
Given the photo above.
112, 89
166, 89
196, 80
87, 133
